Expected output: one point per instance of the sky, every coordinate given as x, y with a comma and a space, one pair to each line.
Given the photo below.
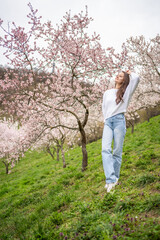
114, 20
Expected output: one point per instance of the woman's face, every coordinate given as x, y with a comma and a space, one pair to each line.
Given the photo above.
120, 78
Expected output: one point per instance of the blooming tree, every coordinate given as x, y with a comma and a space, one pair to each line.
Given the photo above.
145, 56
76, 67
12, 145
15, 140
53, 141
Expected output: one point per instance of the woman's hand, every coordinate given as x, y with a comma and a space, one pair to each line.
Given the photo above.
128, 71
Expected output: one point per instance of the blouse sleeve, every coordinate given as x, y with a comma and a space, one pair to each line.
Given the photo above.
134, 80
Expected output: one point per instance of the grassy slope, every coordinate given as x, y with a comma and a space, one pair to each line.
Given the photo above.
41, 200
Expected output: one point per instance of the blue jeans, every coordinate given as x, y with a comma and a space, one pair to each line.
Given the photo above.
114, 129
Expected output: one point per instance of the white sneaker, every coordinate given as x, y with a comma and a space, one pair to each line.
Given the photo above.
116, 181
111, 185
106, 186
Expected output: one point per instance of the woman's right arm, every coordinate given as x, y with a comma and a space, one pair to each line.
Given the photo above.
134, 80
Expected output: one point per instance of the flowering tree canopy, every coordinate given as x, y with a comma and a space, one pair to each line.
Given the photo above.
63, 76
144, 56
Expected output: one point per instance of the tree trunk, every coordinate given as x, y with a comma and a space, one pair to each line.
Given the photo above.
147, 114
63, 157
58, 153
132, 126
6, 165
84, 150
49, 151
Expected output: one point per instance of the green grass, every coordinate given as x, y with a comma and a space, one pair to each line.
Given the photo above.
41, 200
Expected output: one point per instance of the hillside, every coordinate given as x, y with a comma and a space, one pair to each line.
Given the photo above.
41, 200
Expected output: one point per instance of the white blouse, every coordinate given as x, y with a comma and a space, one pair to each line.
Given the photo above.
109, 105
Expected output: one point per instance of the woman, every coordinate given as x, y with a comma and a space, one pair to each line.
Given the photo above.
115, 103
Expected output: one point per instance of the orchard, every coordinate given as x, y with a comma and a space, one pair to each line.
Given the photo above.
56, 81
